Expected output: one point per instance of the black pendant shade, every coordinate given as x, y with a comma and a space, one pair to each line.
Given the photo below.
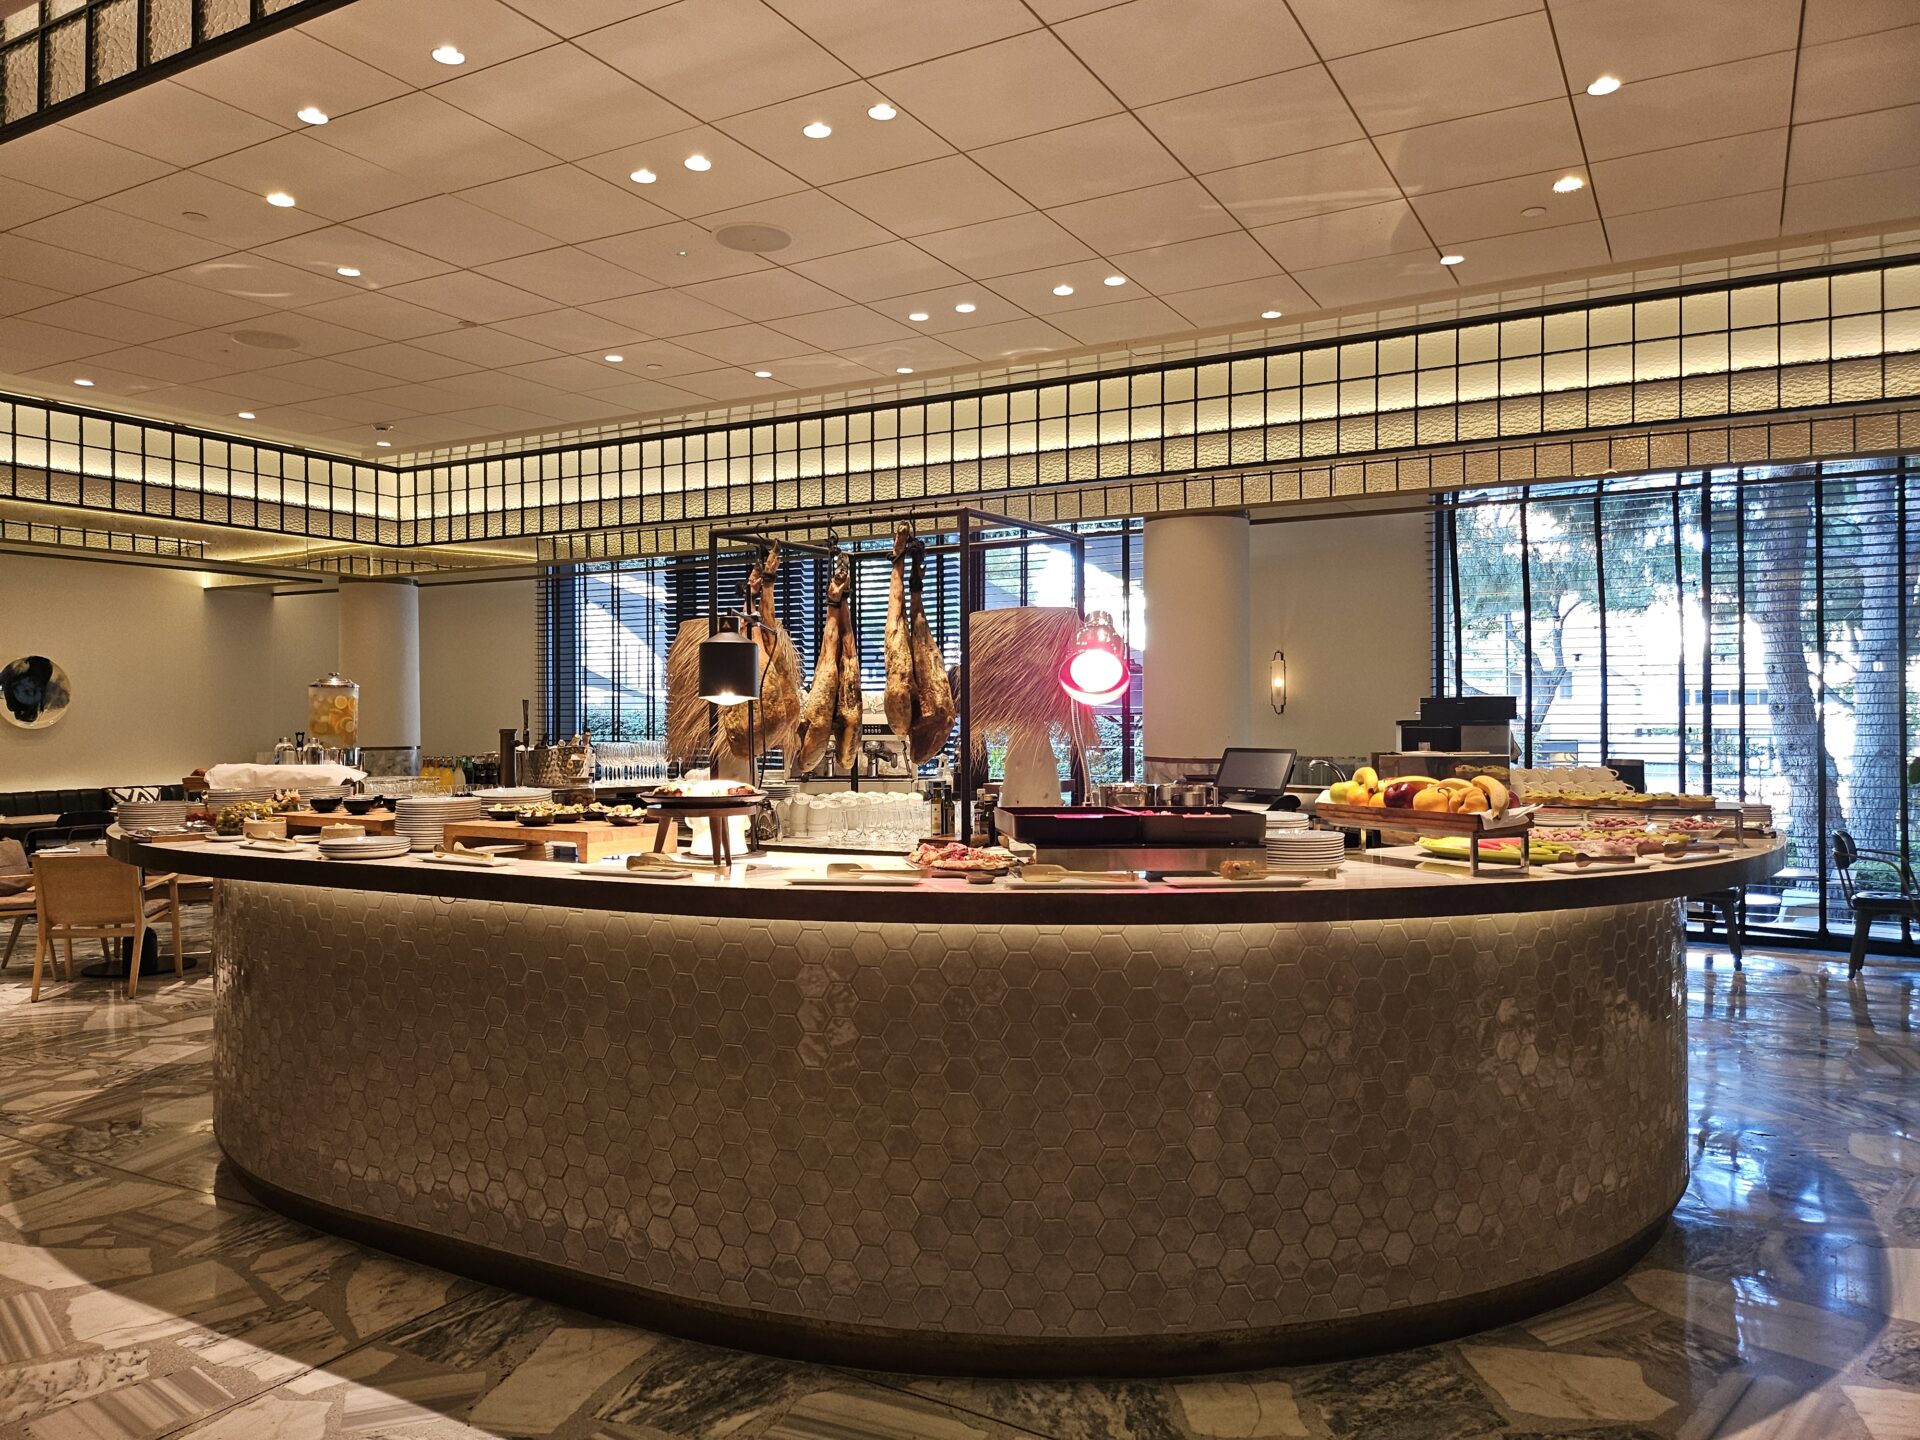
729, 669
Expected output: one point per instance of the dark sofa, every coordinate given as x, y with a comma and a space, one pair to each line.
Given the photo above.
67, 802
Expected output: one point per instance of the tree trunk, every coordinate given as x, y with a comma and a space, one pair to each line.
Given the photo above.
1779, 534
1878, 772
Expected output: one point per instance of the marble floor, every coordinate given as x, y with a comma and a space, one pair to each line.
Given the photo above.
143, 1295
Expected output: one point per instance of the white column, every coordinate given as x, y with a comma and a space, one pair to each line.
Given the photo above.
1198, 684
380, 651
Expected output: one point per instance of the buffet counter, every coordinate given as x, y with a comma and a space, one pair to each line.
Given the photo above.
965, 1128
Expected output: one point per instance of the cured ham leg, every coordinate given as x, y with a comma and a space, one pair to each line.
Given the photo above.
820, 717
920, 706
849, 709
779, 707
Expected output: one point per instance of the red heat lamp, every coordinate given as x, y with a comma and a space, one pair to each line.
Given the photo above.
1095, 670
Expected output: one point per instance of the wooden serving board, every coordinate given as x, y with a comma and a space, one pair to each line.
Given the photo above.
1425, 822
591, 839
380, 822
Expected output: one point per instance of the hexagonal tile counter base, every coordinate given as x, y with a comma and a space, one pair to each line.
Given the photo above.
990, 1147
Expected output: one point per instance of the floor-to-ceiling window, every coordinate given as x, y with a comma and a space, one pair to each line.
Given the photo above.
1744, 631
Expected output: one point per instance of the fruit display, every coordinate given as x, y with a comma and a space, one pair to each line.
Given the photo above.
233, 819
1482, 795
1499, 852
1616, 800
285, 800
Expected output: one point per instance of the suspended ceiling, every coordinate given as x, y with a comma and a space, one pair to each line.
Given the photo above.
1228, 158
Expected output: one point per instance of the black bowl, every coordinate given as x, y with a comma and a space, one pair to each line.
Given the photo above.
325, 804
593, 812
503, 812
359, 805
623, 820
565, 817
383, 802
536, 819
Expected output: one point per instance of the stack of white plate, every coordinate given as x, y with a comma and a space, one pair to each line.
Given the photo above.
1305, 849
1286, 820
513, 795
151, 814
423, 819
1761, 815
365, 847
218, 800
308, 792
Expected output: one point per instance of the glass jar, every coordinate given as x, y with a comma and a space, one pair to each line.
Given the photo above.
333, 712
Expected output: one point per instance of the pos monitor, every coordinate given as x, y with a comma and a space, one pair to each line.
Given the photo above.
1260, 773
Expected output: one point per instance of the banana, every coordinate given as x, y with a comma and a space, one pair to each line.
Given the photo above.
1498, 796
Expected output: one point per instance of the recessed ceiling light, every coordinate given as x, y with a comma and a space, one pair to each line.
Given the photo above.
1451, 259
1114, 280
903, 370
247, 415
449, 55
763, 374
882, 111
697, 162
84, 384
917, 316
281, 199
1605, 85
1063, 289
348, 271
965, 307
197, 216
1270, 314
818, 130
1567, 184
613, 359
384, 444
1534, 212
643, 176
311, 115
654, 366
683, 254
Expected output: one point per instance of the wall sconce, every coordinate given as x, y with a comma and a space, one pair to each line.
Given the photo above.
1277, 682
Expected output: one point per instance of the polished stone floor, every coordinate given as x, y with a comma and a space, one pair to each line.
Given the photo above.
141, 1294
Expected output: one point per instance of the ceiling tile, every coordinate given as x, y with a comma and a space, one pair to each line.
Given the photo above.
923, 354
1732, 220
1081, 162
1638, 39
570, 330
380, 262
1493, 66
677, 254
1855, 144
16, 296
327, 182
819, 225
1538, 252
1239, 304
1884, 197
261, 389
1660, 179
277, 76
934, 195
1357, 234
170, 122
68, 163
1294, 187
1013, 340
859, 145
751, 346
400, 36
468, 295
194, 305
770, 294
1005, 247
847, 325
989, 308
604, 109
575, 17
1254, 120
566, 372
422, 137
332, 377
125, 239
1385, 278
382, 315
879, 271
1140, 219
53, 268
407, 362
155, 364
567, 203
1453, 216
729, 384
664, 312
21, 202
1149, 50
230, 218
1190, 264
106, 379
256, 278
820, 370
738, 176
1495, 146
638, 397
1869, 72
1130, 319
648, 358
1001, 91
452, 230
568, 276
485, 346
717, 57
109, 322
312, 336
25, 345
876, 35
1343, 27
1032, 292
1826, 20
1680, 109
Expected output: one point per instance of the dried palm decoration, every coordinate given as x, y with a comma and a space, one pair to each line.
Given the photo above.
1013, 686
689, 729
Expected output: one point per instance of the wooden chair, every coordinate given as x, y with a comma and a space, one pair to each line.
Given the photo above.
1870, 905
1725, 906
85, 897
16, 893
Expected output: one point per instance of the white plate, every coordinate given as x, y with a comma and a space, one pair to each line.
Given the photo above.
1215, 882
1021, 883
611, 872
475, 862
860, 882
226, 839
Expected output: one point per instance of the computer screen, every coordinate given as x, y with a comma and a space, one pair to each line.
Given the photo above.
1257, 772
